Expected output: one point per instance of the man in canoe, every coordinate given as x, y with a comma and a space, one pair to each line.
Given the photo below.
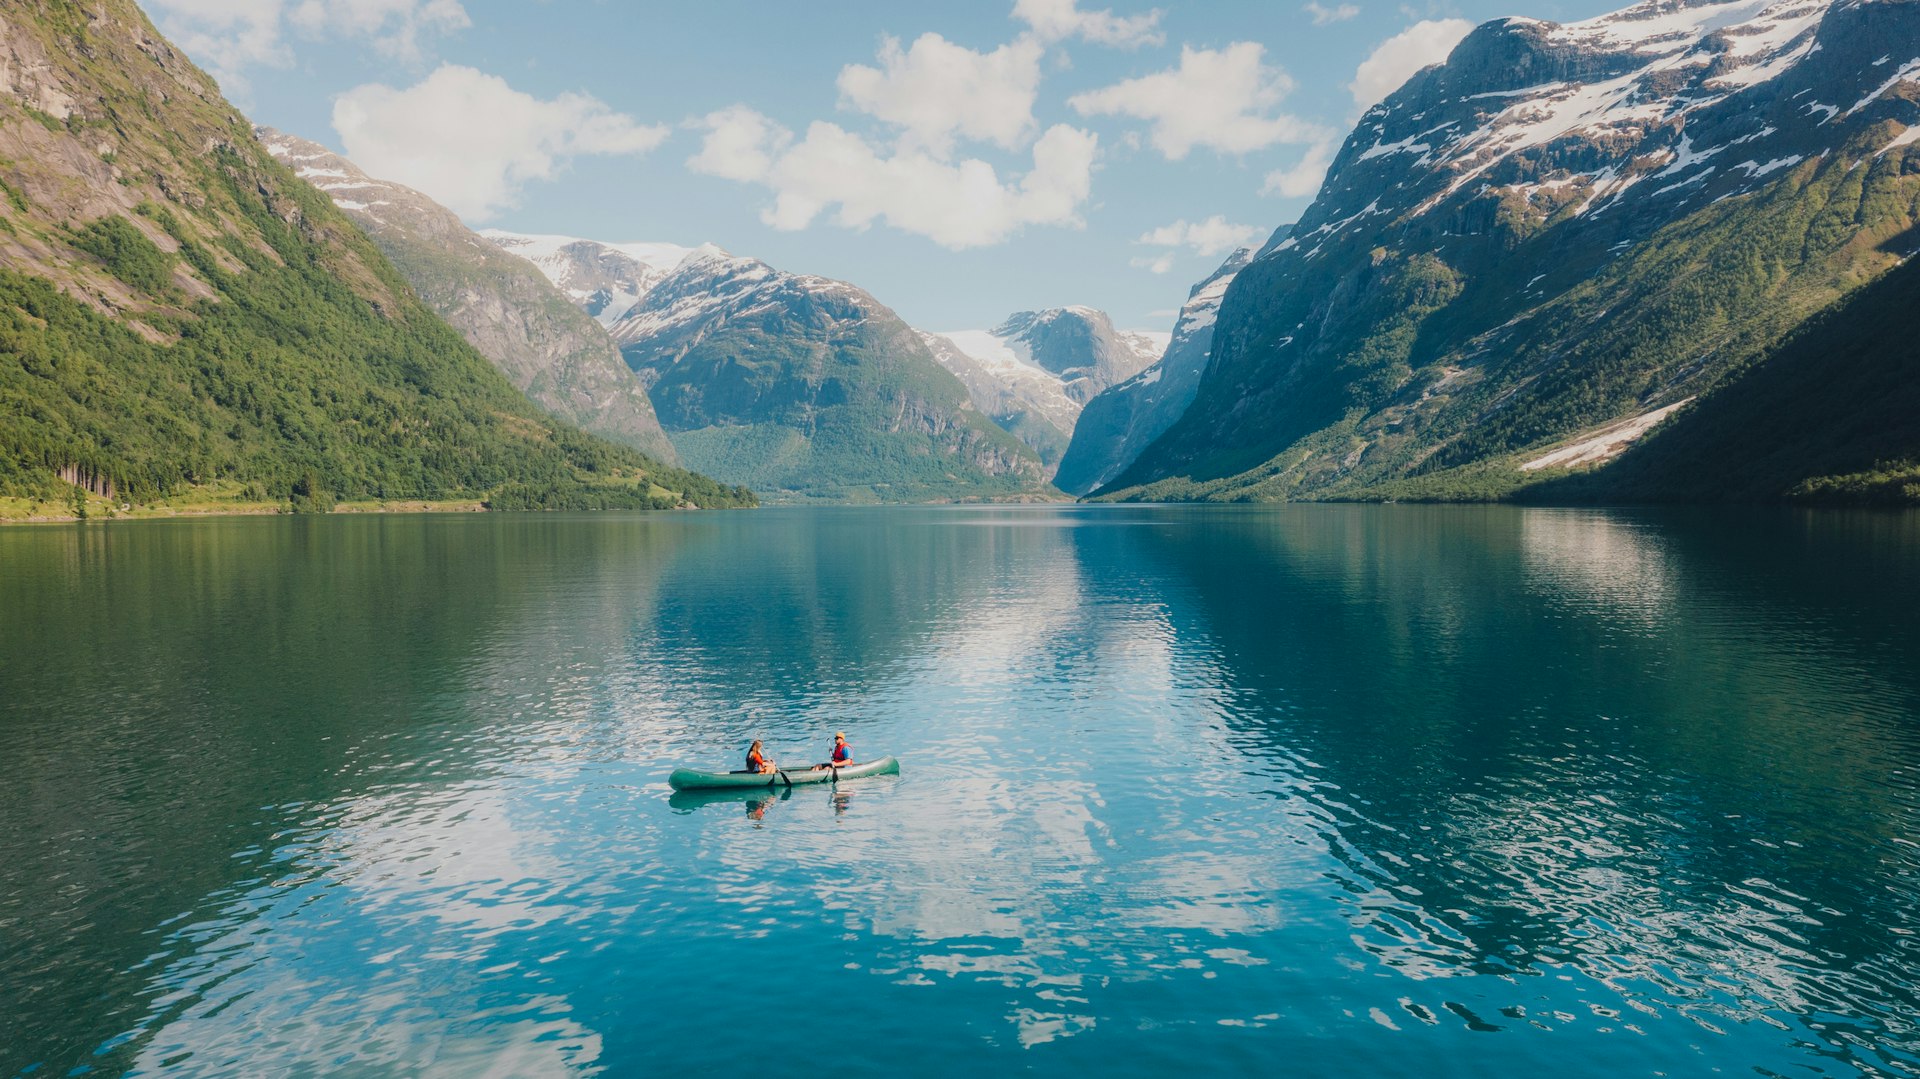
757, 760
842, 753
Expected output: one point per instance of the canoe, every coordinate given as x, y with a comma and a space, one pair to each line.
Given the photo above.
692, 779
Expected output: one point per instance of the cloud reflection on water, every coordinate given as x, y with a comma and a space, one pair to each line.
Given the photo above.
1343, 775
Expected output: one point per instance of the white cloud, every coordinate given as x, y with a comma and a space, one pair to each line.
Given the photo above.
1220, 99
226, 36
955, 204
740, 145
1303, 179
229, 37
394, 26
935, 90
1324, 16
1057, 20
1212, 238
472, 142
1398, 57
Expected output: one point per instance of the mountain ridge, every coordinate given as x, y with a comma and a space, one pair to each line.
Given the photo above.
804, 387
543, 343
188, 315
1120, 422
1035, 371
1558, 228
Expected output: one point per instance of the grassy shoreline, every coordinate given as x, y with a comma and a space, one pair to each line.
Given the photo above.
15, 510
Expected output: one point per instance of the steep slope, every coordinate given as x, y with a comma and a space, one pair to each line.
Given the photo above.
1560, 228
1119, 423
1832, 416
180, 310
602, 279
548, 348
1026, 401
1035, 371
804, 387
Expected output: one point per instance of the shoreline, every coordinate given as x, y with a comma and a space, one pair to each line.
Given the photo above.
243, 509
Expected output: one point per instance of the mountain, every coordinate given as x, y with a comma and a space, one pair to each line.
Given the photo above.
809, 388
546, 346
1119, 423
602, 279
1027, 402
1035, 371
181, 313
1564, 234
1833, 416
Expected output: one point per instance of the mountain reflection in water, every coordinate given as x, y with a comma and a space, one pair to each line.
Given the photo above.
1407, 790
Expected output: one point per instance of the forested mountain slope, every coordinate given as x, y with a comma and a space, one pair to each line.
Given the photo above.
1559, 230
178, 309
547, 347
1833, 416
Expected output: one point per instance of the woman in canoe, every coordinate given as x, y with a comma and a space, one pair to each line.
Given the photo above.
757, 760
842, 753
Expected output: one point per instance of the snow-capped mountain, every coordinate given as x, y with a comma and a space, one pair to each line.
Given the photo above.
806, 387
1561, 227
602, 279
504, 308
1125, 418
1035, 371
1076, 344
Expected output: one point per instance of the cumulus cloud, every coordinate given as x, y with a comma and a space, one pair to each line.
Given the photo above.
1397, 58
740, 145
230, 37
394, 26
1220, 99
226, 36
936, 90
1213, 237
955, 204
1303, 179
472, 142
1057, 20
1325, 16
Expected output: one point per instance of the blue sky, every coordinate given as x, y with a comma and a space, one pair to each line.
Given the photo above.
959, 160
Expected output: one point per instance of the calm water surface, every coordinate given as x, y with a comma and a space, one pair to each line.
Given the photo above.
1380, 791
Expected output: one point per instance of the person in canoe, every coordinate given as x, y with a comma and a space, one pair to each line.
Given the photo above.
842, 753
757, 760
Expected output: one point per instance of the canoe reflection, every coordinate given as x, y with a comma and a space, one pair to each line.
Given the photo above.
755, 799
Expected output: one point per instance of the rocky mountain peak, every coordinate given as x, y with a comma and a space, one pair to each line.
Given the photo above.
603, 279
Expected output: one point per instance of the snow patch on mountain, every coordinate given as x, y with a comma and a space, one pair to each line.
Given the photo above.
605, 279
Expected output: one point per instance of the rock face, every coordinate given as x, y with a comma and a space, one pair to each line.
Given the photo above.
809, 388
180, 310
1035, 371
506, 309
1119, 423
1561, 227
602, 279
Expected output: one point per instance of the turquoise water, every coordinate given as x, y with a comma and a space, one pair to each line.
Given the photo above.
1382, 791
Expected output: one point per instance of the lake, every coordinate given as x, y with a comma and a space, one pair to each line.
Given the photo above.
1376, 791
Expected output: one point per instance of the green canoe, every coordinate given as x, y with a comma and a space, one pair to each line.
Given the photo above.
688, 779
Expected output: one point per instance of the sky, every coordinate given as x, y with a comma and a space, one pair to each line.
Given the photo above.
961, 160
